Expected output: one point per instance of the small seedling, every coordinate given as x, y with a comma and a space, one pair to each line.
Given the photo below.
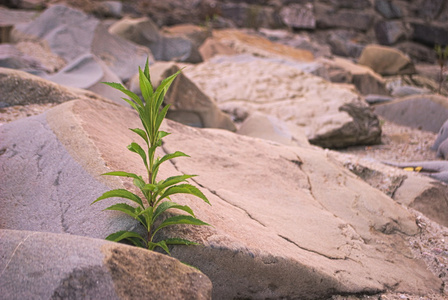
156, 194
442, 56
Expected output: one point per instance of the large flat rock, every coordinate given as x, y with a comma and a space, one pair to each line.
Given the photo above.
288, 222
331, 115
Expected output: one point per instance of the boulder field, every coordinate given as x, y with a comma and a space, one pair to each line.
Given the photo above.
287, 222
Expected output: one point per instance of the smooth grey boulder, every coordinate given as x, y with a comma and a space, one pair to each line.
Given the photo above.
441, 143
424, 111
70, 33
42, 265
88, 72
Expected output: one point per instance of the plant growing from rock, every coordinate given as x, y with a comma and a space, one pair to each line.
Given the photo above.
442, 56
156, 194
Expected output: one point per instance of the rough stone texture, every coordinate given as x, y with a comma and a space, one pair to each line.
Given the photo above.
60, 266
270, 128
189, 105
342, 44
17, 86
121, 56
330, 18
257, 247
388, 9
389, 32
278, 88
211, 47
430, 34
68, 32
251, 44
142, 31
366, 81
441, 143
427, 112
386, 61
298, 16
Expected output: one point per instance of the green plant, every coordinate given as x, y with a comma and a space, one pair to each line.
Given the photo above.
442, 56
156, 194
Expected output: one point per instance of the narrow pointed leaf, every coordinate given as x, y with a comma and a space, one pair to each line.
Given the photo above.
162, 207
184, 189
134, 147
123, 174
179, 241
122, 89
178, 220
163, 88
146, 72
161, 244
161, 116
145, 86
174, 180
131, 103
163, 134
168, 157
121, 193
141, 133
128, 235
123, 207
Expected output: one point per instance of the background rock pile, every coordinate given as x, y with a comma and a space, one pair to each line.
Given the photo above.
268, 87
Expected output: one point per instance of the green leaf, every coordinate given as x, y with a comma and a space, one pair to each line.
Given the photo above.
127, 235
162, 134
184, 189
123, 174
123, 207
134, 147
173, 180
162, 207
141, 133
121, 193
163, 88
168, 157
122, 89
145, 86
161, 116
131, 103
161, 244
146, 72
178, 220
179, 241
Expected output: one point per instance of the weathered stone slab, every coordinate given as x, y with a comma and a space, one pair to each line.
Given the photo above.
327, 112
42, 265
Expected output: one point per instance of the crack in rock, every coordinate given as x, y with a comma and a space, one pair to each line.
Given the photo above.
309, 250
214, 192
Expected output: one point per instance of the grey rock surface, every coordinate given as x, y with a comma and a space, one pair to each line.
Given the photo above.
42, 265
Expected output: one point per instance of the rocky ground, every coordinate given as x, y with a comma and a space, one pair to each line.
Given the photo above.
399, 143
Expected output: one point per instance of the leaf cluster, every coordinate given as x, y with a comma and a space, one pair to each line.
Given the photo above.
156, 194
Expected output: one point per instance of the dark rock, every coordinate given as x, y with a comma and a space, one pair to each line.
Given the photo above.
298, 16
430, 34
250, 16
366, 129
389, 32
329, 18
430, 9
417, 52
13, 58
341, 44
388, 9
352, 4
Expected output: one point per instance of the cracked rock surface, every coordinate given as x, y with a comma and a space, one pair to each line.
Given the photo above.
287, 221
